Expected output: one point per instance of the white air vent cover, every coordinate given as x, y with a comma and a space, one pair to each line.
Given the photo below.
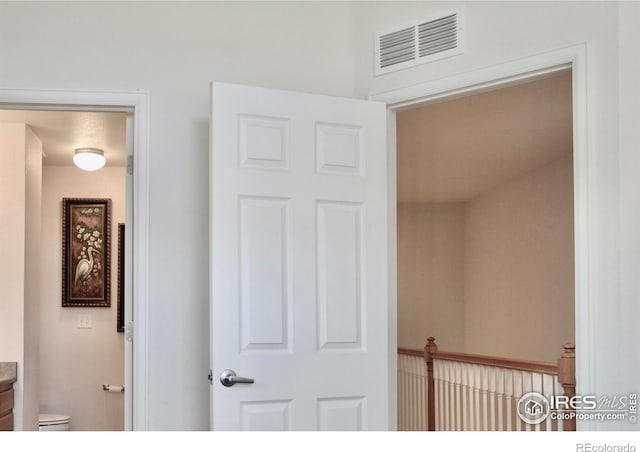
428, 40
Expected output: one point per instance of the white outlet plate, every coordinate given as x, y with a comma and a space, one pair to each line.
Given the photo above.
84, 321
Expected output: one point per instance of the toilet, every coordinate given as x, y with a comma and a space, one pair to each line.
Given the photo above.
54, 422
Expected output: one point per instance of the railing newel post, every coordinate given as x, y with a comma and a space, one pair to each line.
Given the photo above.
429, 349
567, 378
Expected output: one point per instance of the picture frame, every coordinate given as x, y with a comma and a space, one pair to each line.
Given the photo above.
120, 321
86, 252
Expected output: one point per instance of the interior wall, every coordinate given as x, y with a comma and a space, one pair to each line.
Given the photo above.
20, 169
12, 240
173, 50
519, 266
494, 275
74, 362
33, 213
431, 274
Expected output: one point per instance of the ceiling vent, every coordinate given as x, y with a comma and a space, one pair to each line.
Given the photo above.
428, 40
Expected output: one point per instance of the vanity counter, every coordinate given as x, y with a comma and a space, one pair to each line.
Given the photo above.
8, 375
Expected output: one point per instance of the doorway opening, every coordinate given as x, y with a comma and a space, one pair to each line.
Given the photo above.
97, 113
485, 221
75, 349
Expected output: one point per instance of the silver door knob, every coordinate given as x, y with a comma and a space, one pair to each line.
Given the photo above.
228, 378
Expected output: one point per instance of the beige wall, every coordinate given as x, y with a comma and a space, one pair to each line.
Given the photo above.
76, 362
12, 234
430, 274
492, 276
20, 167
519, 278
33, 212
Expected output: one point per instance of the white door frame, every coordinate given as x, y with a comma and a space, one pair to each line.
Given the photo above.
136, 353
585, 212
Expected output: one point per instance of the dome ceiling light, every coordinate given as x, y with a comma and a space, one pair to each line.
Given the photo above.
89, 159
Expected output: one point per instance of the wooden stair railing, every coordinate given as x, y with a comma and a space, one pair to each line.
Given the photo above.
564, 369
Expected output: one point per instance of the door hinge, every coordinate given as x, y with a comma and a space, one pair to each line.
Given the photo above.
128, 332
210, 377
130, 164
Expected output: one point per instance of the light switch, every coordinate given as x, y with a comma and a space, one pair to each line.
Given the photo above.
84, 321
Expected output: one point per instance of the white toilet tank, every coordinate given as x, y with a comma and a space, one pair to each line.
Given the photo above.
54, 422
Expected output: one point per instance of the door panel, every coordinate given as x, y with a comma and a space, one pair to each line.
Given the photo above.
339, 278
340, 414
265, 314
298, 261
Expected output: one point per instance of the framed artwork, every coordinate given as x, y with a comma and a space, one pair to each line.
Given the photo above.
86, 230
120, 324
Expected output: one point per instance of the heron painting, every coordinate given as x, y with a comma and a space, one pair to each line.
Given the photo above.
86, 230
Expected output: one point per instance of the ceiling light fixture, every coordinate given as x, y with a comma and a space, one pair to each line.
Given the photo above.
89, 159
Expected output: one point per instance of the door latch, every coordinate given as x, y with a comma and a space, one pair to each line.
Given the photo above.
128, 332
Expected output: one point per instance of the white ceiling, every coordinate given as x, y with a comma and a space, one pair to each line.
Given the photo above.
61, 132
455, 150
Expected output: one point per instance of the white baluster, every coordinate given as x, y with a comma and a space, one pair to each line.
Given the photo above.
417, 400
439, 395
399, 394
484, 387
527, 386
477, 399
517, 393
465, 401
425, 395
491, 392
457, 410
416, 397
508, 395
536, 386
450, 404
455, 368
500, 376
559, 390
420, 397
411, 401
445, 397
547, 390
403, 395
401, 406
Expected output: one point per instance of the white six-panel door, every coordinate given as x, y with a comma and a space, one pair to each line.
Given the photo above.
298, 261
